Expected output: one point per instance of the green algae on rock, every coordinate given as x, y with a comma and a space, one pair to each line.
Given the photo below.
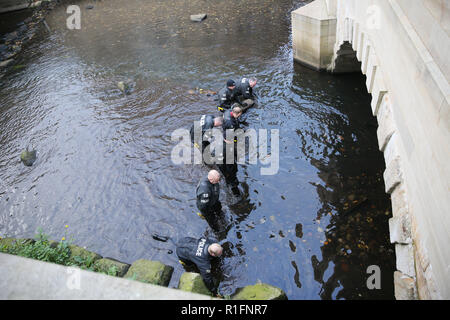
193, 282
153, 272
260, 291
105, 265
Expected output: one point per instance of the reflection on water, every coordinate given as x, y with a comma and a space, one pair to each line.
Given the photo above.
104, 163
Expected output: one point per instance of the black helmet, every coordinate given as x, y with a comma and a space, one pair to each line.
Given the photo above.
231, 83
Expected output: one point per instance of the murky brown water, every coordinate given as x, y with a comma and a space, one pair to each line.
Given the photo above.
104, 163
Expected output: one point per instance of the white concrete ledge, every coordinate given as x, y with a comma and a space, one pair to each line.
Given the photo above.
23, 278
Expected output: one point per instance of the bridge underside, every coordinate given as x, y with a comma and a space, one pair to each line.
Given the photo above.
406, 73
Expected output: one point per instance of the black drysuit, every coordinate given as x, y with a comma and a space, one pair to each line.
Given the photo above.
191, 250
229, 122
208, 197
229, 170
206, 124
243, 89
226, 98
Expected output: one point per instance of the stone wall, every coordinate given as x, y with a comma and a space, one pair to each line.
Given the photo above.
403, 47
14, 5
21, 275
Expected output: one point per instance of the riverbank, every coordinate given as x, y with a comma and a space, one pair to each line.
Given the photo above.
7, 6
145, 271
24, 278
12, 42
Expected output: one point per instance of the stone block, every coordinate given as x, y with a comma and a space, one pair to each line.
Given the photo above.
6, 63
193, 282
422, 285
392, 175
355, 36
312, 32
7, 243
399, 201
198, 17
153, 272
404, 287
404, 254
359, 50
106, 265
77, 252
378, 92
400, 229
386, 124
260, 291
365, 55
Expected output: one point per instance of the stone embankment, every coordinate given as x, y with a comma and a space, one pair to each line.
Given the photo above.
12, 43
142, 270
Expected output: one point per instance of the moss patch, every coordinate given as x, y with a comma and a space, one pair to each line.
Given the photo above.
111, 267
7, 243
260, 291
81, 255
193, 282
153, 272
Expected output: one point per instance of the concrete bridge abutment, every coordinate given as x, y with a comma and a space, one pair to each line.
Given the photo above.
400, 46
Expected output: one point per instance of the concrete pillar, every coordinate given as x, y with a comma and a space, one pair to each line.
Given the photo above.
314, 34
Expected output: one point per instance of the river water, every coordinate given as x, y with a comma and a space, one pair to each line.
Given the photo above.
104, 166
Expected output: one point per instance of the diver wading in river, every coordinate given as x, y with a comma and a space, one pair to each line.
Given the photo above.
208, 203
200, 252
227, 96
244, 92
207, 122
228, 167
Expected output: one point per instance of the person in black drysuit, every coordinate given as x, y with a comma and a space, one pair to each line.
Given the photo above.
207, 195
244, 92
227, 96
207, 122
229, 170
200, 252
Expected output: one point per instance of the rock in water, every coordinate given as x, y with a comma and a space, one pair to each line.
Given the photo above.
28, 157
193, 282
259, 291
5, 63
124, 87
153, 272
198, 17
